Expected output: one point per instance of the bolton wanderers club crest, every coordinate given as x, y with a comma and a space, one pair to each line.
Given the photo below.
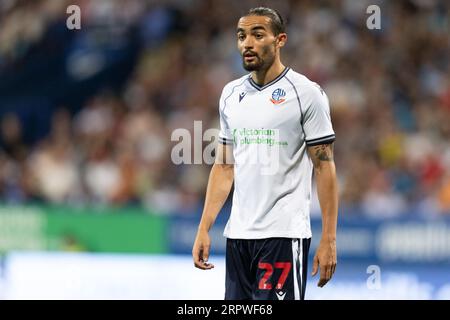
278, 96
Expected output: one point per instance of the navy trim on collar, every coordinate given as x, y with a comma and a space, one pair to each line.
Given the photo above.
258, 87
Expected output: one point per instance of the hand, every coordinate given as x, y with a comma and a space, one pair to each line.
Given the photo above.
200, 251
325, 258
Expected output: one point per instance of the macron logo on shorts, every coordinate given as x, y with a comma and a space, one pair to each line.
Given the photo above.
280, 295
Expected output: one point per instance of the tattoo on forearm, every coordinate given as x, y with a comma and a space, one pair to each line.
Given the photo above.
324, 152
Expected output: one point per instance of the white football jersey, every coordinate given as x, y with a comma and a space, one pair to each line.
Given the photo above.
269, 128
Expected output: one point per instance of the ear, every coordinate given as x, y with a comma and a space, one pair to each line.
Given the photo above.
281, 39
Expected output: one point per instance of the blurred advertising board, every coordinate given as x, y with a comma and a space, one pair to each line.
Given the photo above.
399, 240
81, 229
135, 230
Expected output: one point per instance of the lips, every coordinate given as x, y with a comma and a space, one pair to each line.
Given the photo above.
249, 56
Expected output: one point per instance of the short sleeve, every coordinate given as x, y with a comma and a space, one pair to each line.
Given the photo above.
316, 121
225, 136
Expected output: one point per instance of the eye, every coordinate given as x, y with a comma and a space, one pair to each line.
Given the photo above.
258, 36
241, 37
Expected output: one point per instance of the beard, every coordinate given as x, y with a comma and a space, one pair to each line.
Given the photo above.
255, 65
259, 63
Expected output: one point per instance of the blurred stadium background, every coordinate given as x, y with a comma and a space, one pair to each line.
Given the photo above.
92, 205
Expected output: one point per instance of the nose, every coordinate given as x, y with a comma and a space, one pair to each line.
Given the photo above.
248, 43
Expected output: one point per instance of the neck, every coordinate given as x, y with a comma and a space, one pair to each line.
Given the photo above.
261, 77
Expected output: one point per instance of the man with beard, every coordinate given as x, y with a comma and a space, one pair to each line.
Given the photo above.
268, 232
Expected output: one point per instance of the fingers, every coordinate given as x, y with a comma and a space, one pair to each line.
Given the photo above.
323, 276
200, 262
196, 257
205, 254
315, 265
333, 269
206, 265
326, 272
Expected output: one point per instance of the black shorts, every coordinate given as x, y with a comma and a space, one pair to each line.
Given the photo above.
266, 269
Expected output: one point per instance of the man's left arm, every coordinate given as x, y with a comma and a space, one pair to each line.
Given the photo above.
325, 175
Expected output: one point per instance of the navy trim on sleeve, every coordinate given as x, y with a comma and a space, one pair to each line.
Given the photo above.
323, 140
225, 141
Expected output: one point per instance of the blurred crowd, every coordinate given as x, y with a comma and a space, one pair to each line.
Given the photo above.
389, 91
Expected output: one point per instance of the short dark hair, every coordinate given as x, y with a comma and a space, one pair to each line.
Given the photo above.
277, 23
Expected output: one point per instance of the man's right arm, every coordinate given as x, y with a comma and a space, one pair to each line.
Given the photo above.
219, 186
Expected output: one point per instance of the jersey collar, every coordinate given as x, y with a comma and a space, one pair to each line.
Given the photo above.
258, 87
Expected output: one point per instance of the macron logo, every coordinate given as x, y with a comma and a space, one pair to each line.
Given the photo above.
280, 295
242, 95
